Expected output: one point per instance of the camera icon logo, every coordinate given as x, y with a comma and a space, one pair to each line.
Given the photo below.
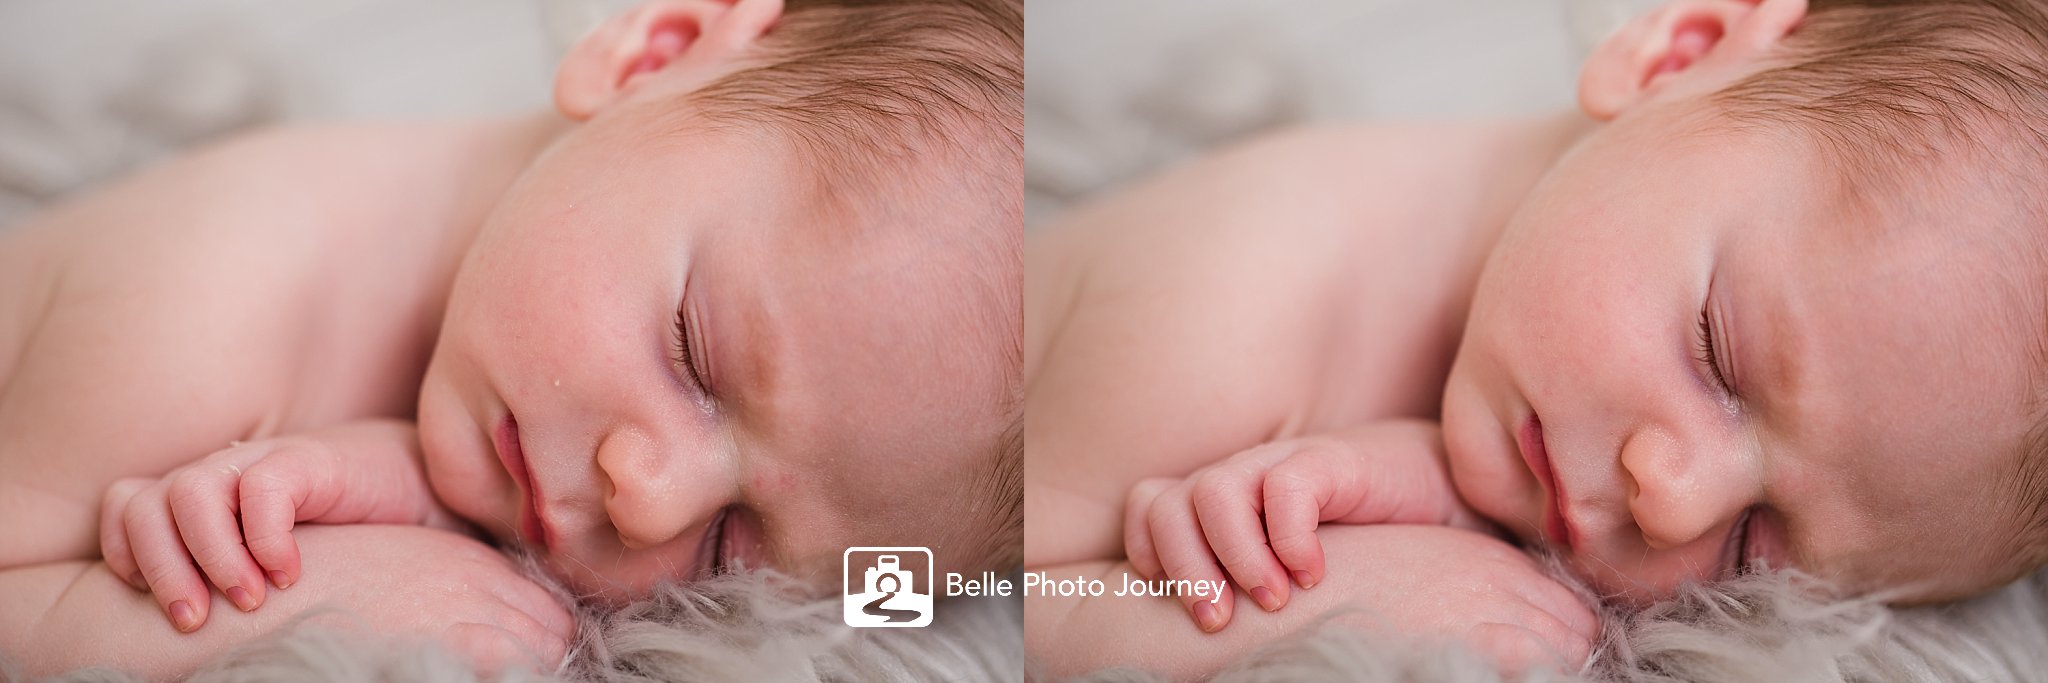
887, 587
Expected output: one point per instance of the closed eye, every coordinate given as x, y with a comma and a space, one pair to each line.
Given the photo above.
683, 351
1708, 355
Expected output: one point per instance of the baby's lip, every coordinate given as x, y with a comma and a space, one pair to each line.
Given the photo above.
1556, 524
512, 455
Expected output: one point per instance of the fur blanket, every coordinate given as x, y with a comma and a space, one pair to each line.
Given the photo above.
742, 628
735, 628
1761, 628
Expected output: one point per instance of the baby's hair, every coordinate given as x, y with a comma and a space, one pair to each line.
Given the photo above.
1885, 86
867, 88
857, 81
1893, 92
1002, 491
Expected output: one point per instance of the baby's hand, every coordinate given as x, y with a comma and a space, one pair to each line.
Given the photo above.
231, 514
152, 531
1254, 515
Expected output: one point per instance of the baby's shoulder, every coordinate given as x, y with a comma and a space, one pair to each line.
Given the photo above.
331, 165
225, 253
1318, 193
1369, 162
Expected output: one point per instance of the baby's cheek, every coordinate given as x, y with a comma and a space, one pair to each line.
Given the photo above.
1481, 492
773, 483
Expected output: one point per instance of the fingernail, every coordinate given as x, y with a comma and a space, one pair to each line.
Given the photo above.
278, 579
1206, 617
1302, 579
184, 617
1266, 599
135, 580
243, 601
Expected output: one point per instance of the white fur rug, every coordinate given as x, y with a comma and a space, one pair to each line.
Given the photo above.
1761, 628
736, 628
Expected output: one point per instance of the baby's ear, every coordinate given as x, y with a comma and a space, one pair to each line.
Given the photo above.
1699, 38
694, 40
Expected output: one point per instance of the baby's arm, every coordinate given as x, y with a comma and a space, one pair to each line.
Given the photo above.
1296, 284
61, 616
232, 512
1422, 582
1253, 516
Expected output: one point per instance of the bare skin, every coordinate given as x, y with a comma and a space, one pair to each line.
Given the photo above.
367, 576
1507, 607
1301, 208
160, 320
1697, 349
702, 342
1266, 286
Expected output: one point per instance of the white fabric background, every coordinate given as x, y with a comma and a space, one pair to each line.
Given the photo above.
1118, 88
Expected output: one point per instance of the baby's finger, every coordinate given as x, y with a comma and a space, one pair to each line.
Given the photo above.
1227, 505
490, 649
1295, 494
495, 649
1561, 604
1138, 547
120, 558
1184, 555
1563, 645
1516, 650
160, 556
272, 493
203, 502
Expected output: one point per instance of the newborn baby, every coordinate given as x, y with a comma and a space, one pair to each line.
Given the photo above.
751, 297
1774, 301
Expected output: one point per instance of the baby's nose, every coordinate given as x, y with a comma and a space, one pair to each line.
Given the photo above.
1683, 493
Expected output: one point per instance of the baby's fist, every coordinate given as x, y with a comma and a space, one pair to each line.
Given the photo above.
1254, 515
1217, 522
228, 516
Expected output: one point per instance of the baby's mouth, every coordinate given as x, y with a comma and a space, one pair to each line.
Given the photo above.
513, 456
1556, 526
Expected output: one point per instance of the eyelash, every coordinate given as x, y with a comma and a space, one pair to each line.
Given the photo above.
683, 356
1707, 355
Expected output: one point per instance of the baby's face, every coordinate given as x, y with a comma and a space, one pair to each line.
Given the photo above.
1863, 400
669, 353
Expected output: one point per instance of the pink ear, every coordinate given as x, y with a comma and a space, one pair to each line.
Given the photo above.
700, 36
582, 85
665, 43
1689, 44
1677, 40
